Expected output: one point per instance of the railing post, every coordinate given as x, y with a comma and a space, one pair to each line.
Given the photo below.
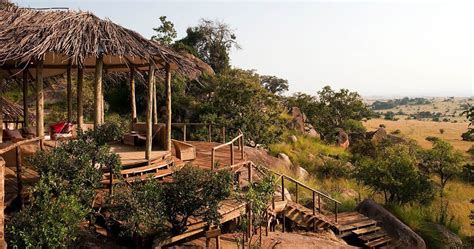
231, 154
296, 195
18, 174
41, 143
282, 188
314, 210
184, 133
335, 211
319, 203
209, 129
250, 173
212, 159
242, 147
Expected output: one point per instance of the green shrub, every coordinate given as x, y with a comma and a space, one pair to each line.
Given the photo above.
333, 168
50, 221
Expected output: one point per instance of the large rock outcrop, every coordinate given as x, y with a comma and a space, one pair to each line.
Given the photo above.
403, 235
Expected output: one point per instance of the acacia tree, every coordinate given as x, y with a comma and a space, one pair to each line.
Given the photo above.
274, 84
338, 110
211, 41
394, 173
469, 134
443, 161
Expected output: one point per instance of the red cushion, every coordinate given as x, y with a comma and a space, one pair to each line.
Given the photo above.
58, 127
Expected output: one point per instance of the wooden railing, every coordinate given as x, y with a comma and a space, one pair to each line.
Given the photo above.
241, 145
317, 195
17, 147
210, 127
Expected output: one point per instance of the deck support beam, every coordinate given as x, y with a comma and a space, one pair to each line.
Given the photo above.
80, 109
149, 125
26, 120
69, 93
98, 97
133, 103
155, 106
39, 99
168, 107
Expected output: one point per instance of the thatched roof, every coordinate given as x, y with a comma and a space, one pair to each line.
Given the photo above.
10, 110
77, 38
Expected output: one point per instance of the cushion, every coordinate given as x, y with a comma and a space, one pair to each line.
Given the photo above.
13, 134
58, 127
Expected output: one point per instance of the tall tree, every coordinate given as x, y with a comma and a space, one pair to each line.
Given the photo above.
443, 160
340, 109
274, 84
469, 134
211, 41
165, 33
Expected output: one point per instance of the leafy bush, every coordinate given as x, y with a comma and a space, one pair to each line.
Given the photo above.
333, 168
194, 192
139, 209
50, 221
394, 173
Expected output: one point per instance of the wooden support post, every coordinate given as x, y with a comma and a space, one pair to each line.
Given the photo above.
39, 99
209, 130
184, 132
69, 93
314, 210
133, 103
80, 109
26, 120
149, 125
282, 188
218, 242
19, 184
335, 211
242, 146
3, 243
168, 107
231, 154
98, 98
223, 136
155, 106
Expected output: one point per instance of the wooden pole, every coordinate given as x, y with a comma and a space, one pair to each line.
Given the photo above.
231, 154
283, 199
184, 133
39, 99
223, 136
80, 108
69, 93
209, 130
26, 120
168, 107
133, 103
149, 125
296, 195
98, 99
18, 174
155, 106
3, 243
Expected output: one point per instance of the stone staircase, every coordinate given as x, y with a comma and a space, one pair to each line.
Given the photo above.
360, 230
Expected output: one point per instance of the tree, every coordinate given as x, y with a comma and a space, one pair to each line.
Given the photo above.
195, 192
443, 161
49, 221
308, 104
394, 173
274, 84
236, 99
139, 209
335, 109
469, 134
211, 41
165, 32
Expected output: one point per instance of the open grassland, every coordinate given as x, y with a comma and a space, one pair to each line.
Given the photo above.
420, 130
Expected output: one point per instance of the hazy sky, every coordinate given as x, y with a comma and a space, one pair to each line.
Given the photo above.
376, 48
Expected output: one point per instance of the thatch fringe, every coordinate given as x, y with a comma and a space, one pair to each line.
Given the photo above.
27, 35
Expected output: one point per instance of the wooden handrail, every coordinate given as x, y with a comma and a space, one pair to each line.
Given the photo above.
19, 143
239, 138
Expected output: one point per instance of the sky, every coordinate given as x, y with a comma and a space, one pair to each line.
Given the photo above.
378, 48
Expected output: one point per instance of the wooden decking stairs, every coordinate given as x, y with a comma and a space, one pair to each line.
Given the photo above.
360, 229
305, 218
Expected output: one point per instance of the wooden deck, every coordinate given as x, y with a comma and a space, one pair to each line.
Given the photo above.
203, 155
135, 155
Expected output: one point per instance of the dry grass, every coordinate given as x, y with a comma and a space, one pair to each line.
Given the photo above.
419, 130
